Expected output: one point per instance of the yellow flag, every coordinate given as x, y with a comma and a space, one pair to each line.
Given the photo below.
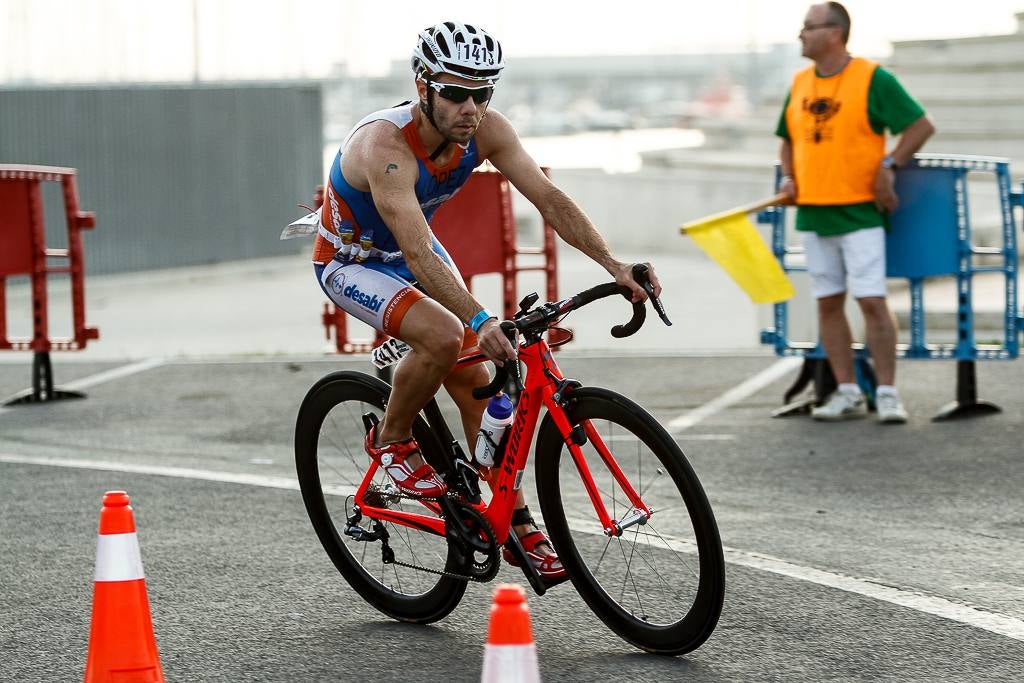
733, 241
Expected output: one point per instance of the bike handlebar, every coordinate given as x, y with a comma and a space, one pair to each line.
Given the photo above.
541, 317
502, 371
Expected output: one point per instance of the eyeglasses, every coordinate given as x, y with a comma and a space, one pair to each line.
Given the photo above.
459, 93
814, 27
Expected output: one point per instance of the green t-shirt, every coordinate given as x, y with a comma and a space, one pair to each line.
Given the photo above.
889, 107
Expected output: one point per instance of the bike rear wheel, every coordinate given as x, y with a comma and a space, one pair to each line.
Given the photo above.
331, 463
658, 585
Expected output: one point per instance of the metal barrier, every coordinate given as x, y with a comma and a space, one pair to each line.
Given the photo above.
930, 236
478, 229
23, 232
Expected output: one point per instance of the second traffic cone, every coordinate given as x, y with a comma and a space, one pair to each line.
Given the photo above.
510, 655
122, 647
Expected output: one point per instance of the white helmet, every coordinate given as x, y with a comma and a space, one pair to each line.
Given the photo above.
460, 50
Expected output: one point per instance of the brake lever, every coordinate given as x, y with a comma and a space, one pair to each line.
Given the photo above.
641, 275
512, 366
656, 302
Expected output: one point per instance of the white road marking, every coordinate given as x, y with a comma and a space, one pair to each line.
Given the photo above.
262, 480
631, 438
992, 622
735, 395
115, 373
106, 376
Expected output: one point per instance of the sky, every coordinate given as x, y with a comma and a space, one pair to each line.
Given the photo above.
176, 40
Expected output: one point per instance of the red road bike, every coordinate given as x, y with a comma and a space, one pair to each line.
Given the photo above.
624, 509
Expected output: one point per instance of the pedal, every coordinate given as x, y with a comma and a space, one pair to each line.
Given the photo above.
537, 582
551, 583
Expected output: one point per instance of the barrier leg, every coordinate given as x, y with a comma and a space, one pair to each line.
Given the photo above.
816, 369
865, 374
42, 384
42, 376
824, 381
966, 403
819, 371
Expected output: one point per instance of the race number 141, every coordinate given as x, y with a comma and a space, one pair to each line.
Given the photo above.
475, 53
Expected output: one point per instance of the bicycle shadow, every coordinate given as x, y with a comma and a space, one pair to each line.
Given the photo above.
397, 651
428, 633
635, 666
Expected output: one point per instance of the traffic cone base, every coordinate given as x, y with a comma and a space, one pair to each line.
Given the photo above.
511, 664
122, 647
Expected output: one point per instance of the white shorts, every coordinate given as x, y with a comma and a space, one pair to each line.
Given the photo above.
378, 293
857, 258
374, 295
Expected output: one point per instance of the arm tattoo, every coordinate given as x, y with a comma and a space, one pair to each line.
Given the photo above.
389, 167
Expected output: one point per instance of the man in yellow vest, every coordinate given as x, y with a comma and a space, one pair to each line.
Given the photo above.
836, 169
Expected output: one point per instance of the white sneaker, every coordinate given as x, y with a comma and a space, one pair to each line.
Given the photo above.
890, 409
841, 406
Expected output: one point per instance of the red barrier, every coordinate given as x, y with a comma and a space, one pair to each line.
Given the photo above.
23, 234
478, 229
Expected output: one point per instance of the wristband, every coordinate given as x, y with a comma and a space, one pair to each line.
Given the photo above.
480, 318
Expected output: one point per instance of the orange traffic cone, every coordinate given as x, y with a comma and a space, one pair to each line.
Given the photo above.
122, 646
510, 655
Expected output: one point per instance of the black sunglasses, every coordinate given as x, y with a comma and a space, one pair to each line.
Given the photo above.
459, 94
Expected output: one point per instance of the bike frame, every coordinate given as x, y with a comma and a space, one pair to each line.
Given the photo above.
543, 380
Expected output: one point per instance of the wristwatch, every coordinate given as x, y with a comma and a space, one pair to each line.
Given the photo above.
889, 163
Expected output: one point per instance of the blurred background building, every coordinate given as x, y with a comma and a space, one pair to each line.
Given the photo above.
203, 158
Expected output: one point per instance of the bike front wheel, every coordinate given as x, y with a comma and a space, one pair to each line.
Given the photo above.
331, 463
658, 584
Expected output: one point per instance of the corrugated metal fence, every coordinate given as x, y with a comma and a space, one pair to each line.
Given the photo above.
177, 175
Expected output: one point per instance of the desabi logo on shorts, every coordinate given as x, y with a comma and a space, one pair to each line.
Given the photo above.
369, 301
338, 282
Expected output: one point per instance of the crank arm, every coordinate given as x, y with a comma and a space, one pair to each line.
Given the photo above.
532, 575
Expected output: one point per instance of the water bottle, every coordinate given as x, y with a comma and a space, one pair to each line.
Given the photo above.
496, 420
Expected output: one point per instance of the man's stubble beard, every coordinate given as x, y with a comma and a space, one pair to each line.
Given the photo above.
448, 129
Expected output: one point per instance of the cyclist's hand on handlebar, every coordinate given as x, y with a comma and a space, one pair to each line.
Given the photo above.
494, 344
624, 277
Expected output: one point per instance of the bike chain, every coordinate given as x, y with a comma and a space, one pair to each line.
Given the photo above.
487, 528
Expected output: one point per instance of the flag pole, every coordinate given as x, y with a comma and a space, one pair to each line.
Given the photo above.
780, 198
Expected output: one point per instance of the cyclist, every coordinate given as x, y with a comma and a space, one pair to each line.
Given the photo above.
376, 258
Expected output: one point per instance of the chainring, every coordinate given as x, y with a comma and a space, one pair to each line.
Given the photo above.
473, 537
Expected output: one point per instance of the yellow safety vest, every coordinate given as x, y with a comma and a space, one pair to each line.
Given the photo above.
836, 154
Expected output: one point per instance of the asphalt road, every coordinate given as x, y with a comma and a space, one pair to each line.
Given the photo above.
855, 551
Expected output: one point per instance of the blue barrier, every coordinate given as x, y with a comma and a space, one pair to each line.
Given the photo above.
930, 236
